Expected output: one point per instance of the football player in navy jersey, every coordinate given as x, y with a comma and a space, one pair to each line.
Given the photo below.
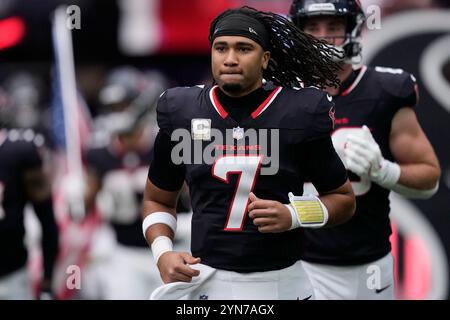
23, 181
244, 149
117, 161
384, 148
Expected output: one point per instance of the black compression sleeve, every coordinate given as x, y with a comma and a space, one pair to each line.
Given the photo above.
50, 236
163, 173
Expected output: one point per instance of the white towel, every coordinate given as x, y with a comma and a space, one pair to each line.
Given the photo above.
176, 290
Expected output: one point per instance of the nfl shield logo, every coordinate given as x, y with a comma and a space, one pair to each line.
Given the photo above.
238, 133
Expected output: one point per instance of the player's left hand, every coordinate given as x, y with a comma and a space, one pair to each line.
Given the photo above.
268, 215
363, 155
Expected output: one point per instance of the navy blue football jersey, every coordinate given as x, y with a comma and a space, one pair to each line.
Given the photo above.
18, 154
371, 97
122, 176
222, 160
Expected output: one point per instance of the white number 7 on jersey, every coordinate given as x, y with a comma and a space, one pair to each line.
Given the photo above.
247, 167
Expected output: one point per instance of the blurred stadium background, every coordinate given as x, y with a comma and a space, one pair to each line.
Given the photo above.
165, 41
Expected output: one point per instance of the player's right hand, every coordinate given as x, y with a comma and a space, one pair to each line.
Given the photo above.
174, 267
268, 215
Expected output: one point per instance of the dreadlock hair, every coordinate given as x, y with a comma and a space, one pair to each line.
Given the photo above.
296, 57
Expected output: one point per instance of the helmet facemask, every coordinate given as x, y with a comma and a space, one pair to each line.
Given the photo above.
350, 11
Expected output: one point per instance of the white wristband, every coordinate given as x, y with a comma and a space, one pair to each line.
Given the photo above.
161, 245
295, 221
159, 217
388, 175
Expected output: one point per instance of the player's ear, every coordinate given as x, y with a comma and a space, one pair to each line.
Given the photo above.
265, 59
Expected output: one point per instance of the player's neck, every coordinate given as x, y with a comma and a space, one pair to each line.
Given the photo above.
244, 92
241, 107
343, 74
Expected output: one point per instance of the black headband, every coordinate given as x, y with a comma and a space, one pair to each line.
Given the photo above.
238, 24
